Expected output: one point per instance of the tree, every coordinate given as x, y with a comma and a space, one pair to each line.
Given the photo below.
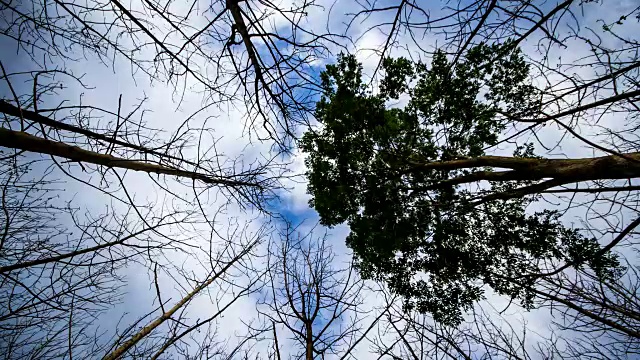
78, 219
219, 268
490, 331
216, 46
408, 180
63, 269
600, 316
313, 307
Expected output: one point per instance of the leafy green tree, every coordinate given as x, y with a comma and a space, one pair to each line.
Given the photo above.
406, 180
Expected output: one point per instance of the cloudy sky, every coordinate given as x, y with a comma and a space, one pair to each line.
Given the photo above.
168, 103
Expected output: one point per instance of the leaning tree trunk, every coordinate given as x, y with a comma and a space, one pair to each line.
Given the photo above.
27, 142
552, 172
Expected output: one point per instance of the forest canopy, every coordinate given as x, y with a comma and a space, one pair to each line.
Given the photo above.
406, 179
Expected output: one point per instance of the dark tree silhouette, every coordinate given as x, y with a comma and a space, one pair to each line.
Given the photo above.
314, 305
399, 178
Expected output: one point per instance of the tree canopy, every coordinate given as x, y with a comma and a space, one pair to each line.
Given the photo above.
406, 180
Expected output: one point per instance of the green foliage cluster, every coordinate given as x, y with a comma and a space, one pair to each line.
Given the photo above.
409, 228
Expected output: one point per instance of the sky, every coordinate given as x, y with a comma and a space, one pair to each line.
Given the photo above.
168, 104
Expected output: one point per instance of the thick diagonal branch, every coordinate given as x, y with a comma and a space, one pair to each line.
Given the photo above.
604, 167
27, 142
557, 171
13, 110
145, 331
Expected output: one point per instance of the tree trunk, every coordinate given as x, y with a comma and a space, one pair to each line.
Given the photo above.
24, 141
557, 171
309, 334
133, 340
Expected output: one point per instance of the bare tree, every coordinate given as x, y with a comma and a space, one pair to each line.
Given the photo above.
235, 255
62, 270
601, 317
59, 266
313, 306
590, 319
66, 262
257, 52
